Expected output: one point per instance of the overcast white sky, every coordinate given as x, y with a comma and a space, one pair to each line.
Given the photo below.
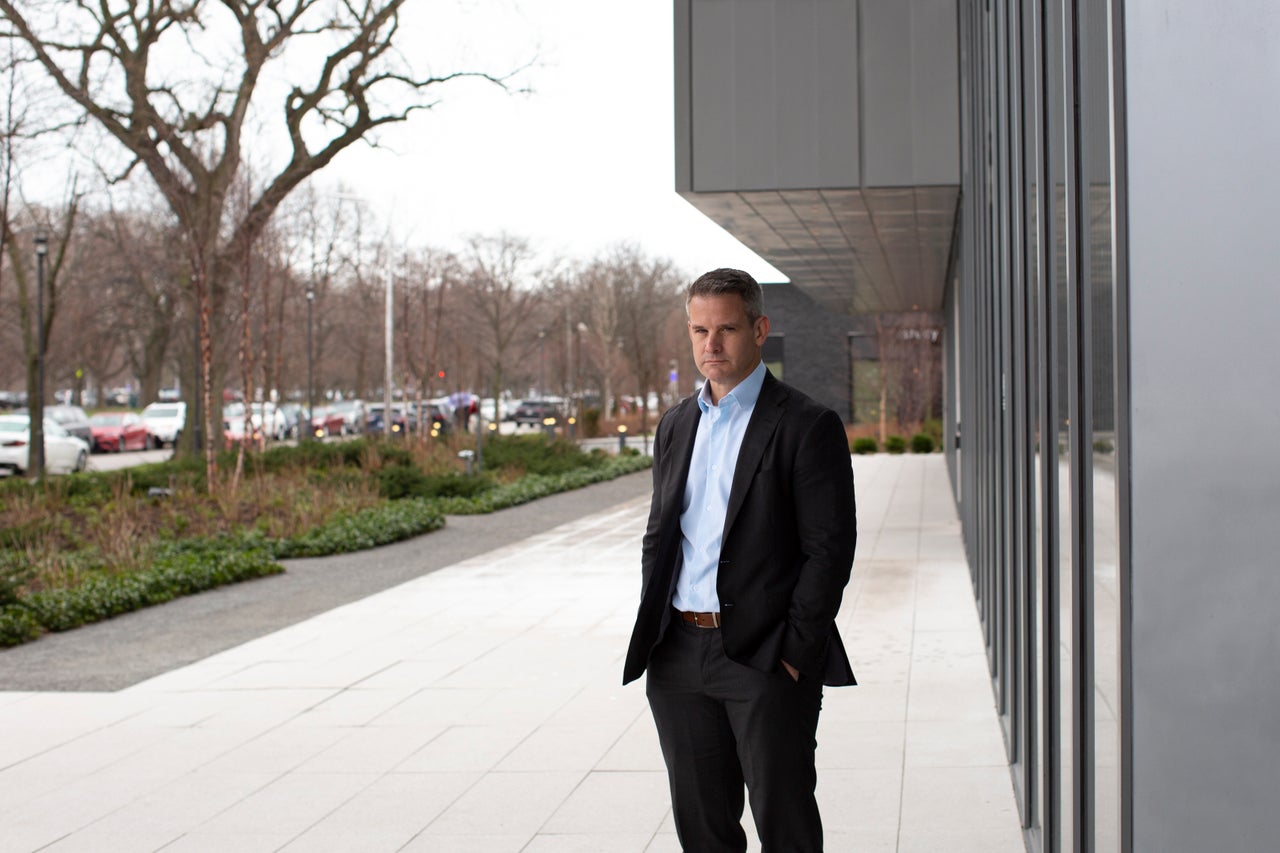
583, 162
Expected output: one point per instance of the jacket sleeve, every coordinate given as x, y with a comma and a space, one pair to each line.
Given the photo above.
822, 490
653, 531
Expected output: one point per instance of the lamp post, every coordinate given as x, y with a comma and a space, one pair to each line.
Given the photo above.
390, 328
311, 384
35, 425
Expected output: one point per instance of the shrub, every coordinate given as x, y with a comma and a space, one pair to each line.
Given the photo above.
921, 443
863, 446
1101, 445
895, 444
535, 454
17, 625
401, 482
591, 422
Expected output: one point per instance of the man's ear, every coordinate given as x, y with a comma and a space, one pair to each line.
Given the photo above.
762, 329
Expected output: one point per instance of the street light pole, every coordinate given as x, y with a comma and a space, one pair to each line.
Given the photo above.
311, 384
386, 393
35, 425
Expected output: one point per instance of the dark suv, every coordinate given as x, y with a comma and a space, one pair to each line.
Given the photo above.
536, 411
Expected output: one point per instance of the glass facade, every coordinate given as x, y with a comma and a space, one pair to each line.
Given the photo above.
1038, 308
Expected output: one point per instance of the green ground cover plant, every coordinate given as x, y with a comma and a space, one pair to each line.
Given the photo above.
79, 549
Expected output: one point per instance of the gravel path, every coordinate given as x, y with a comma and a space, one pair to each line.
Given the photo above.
112, 655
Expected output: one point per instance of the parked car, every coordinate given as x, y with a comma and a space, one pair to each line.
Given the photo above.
325, 422
72, 419
354, 415
13, 399
434, 417
374, 423
536, 411
295, 418
165, 421
114, 432
62, 450
266, 423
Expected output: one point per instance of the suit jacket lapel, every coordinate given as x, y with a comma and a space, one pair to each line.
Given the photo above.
764, 419
679, 455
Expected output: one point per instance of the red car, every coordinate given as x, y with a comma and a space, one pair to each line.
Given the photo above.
325, 422
114, 432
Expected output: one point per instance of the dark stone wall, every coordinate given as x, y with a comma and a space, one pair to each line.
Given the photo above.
815, 346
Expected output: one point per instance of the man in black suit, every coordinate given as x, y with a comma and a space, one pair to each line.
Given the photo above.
748, 549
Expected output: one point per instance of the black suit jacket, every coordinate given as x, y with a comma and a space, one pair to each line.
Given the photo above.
788, 541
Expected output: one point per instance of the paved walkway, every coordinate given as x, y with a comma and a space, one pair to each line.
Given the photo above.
478, 708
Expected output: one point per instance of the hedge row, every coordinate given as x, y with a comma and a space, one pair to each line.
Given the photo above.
177, 569
920, 443
369, 528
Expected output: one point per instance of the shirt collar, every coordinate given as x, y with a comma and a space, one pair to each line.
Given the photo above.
744, 394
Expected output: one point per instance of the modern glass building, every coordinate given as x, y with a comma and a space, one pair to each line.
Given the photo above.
1083, 190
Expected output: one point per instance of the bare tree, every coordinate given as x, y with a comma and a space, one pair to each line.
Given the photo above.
38, 304
501, 289
357, 306
187, 134
649, 305
144, 281
910, 346
422, 317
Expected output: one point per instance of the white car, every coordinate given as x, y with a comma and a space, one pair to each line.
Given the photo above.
165, 421
62, 450
265, 420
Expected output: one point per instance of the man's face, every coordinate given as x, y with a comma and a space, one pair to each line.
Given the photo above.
726, 345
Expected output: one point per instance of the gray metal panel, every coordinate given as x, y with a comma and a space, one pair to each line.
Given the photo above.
935, 101
683, 98
754, 98
887, 135
712, 84
835, 86
773, 93
911, 102
1204, 199
796, 102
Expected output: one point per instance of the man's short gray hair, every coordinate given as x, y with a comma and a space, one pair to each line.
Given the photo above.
727, 280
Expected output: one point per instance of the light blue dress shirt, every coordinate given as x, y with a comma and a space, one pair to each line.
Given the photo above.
706, 492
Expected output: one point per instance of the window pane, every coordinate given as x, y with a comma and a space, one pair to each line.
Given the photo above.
1096, 194
1056, 434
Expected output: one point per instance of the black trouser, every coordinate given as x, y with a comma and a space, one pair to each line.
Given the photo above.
721, 724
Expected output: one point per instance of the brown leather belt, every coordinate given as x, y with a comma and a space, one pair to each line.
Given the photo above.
702, 620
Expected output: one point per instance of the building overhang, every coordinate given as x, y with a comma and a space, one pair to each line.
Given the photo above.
825, 137
856, 251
